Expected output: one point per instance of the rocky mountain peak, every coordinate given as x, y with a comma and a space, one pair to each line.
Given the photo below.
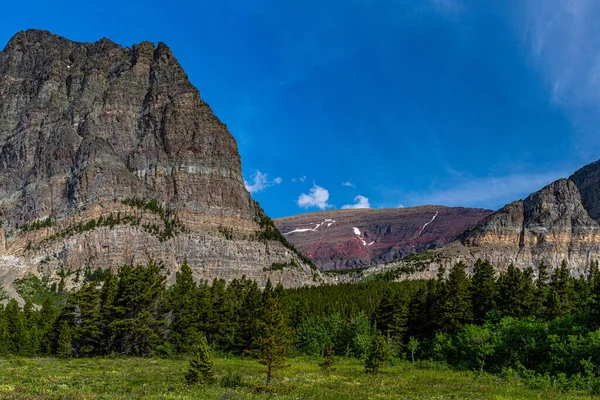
108, 155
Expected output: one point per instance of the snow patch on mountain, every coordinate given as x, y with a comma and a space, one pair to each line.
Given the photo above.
329, 222
425, 226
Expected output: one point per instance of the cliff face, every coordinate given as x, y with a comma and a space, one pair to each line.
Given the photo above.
558, 223
346, 239
87, 127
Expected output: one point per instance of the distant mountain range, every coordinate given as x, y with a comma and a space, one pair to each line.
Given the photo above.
558, 223
346, 239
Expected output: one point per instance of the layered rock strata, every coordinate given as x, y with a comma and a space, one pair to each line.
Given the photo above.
88, 129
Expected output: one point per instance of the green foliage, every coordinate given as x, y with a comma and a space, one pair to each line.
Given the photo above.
479, 323
37, 225
328, 359
64, 344
35, 290
378, 355
201, 365
483, 290
281, 266
274, 339
412, 347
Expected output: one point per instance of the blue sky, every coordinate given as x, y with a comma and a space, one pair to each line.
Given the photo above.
379, 103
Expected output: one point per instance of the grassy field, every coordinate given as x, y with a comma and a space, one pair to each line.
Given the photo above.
99, 378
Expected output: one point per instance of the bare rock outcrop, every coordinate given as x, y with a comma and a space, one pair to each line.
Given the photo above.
86, 129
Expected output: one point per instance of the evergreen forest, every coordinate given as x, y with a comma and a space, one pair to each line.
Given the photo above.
538, 323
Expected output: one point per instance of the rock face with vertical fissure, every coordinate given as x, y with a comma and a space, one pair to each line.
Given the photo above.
85, 126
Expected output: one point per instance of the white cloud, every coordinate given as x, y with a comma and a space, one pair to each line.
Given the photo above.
260, 182
301, 179
317, 197
485, 192
348, 184
359, 202
562, 37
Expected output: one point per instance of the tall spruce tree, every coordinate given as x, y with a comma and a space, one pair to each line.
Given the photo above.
274, 339
483, 290
183, 296
516, 293
139, 316
560, 300
456, 307
15, 328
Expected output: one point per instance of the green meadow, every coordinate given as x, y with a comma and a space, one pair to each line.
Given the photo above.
238, 378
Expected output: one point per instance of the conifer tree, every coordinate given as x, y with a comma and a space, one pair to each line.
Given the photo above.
456, 306
543, 276
274, 339
377, 356
15, 328
107, 311
516, 293
327, 363
183, 305
561, 294
64, 344
201, 365
483, 290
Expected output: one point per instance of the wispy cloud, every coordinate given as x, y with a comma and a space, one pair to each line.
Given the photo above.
260, 182
359, 202
348, 184
482, 192
564, 40
317, 197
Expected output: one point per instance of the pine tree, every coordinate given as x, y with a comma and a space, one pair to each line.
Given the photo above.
15, 328
201, 365
274, 339
561, 295
183, 305
327, 363
64, 344
516, 293
377, 356
456, 306
139, 316
542, 289
107, 311
483, 290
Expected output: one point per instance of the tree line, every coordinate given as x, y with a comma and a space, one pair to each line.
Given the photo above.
540, 323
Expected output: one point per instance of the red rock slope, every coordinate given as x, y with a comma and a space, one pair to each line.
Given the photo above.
344, 239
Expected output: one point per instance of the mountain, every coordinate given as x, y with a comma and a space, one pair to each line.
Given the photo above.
345, 239
558, 223
108, 155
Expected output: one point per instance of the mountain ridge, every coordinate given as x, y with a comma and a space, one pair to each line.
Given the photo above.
109, 156
347, 239
551, 225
